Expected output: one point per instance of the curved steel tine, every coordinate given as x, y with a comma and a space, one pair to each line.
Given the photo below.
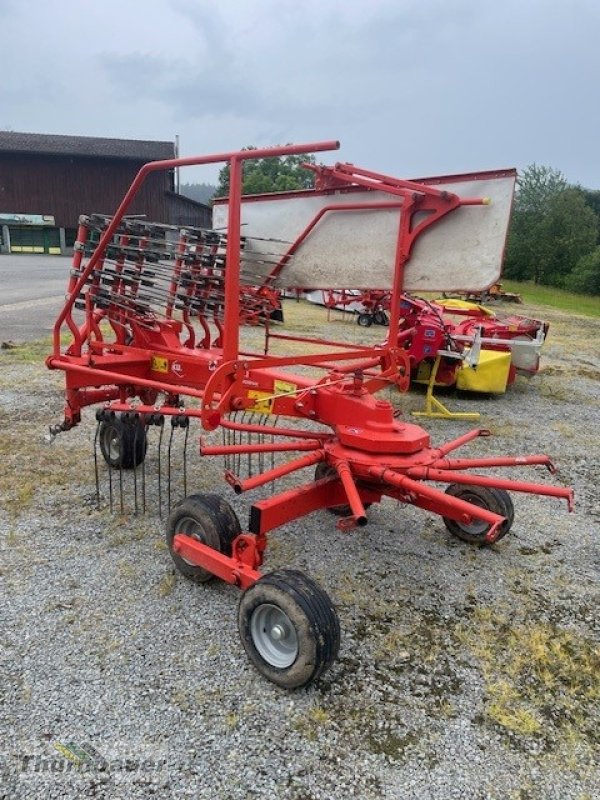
135, 449
160, 438
96, 473
170, 445
185, 444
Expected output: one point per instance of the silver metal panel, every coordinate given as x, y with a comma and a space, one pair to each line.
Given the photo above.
356, 249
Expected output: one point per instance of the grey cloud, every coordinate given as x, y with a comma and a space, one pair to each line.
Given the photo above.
409, 87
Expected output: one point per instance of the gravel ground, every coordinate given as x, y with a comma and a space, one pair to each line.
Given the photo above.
463, 672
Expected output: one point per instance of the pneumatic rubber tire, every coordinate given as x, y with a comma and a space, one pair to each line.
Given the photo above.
123, 444
497, 501
289, 628
207, 518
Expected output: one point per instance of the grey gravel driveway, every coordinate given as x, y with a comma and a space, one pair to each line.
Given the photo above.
463, 673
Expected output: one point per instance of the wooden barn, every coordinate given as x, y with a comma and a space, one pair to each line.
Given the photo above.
47, 181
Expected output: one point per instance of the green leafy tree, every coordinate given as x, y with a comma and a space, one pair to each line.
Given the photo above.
585, 278
592, 198
280, 174
568, 232
552, 228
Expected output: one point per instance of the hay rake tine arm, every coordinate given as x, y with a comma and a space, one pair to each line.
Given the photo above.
500, 461
241, 449
467, 478
359, 516
267, 429
415, 492
454, 444
308, 460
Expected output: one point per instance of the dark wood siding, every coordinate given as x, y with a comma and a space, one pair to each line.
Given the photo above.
183, 211
66, 187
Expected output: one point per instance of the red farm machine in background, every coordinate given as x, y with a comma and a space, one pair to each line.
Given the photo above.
465, 338
457, 343
371, 306
153, 321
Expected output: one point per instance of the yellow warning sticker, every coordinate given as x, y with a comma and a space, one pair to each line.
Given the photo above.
280, 387
159, 364
263, 401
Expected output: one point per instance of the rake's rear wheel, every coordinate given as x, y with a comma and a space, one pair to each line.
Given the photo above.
289, 628
498, 501
123, 444
506, 502
208, 519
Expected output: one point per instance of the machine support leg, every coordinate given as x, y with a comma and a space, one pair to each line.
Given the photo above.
434, 408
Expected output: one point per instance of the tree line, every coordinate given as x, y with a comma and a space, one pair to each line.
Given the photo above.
554, 232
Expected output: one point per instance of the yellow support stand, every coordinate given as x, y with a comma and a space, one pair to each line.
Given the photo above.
433, 407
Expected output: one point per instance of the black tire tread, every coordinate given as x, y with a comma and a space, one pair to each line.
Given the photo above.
496, 500
220, 515
133, 442
228, 523
318, 610
310, 591
506, 502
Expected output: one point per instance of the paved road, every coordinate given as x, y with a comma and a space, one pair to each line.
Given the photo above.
32, 291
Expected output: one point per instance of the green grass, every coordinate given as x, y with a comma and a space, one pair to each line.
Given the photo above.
33, 352
555, 298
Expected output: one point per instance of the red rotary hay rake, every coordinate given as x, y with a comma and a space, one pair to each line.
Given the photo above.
154, 322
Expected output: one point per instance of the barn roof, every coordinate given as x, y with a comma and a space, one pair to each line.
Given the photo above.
89, 146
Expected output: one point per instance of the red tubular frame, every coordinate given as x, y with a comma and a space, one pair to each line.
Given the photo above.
232, 280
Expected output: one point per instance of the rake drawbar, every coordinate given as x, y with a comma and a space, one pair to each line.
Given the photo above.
153, 318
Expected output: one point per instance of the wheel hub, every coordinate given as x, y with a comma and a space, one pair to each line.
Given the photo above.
274, 635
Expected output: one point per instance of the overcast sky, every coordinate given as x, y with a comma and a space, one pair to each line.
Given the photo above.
409, 87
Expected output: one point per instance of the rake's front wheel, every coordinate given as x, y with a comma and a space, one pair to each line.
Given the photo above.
289, 628
208, 519
498, 501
